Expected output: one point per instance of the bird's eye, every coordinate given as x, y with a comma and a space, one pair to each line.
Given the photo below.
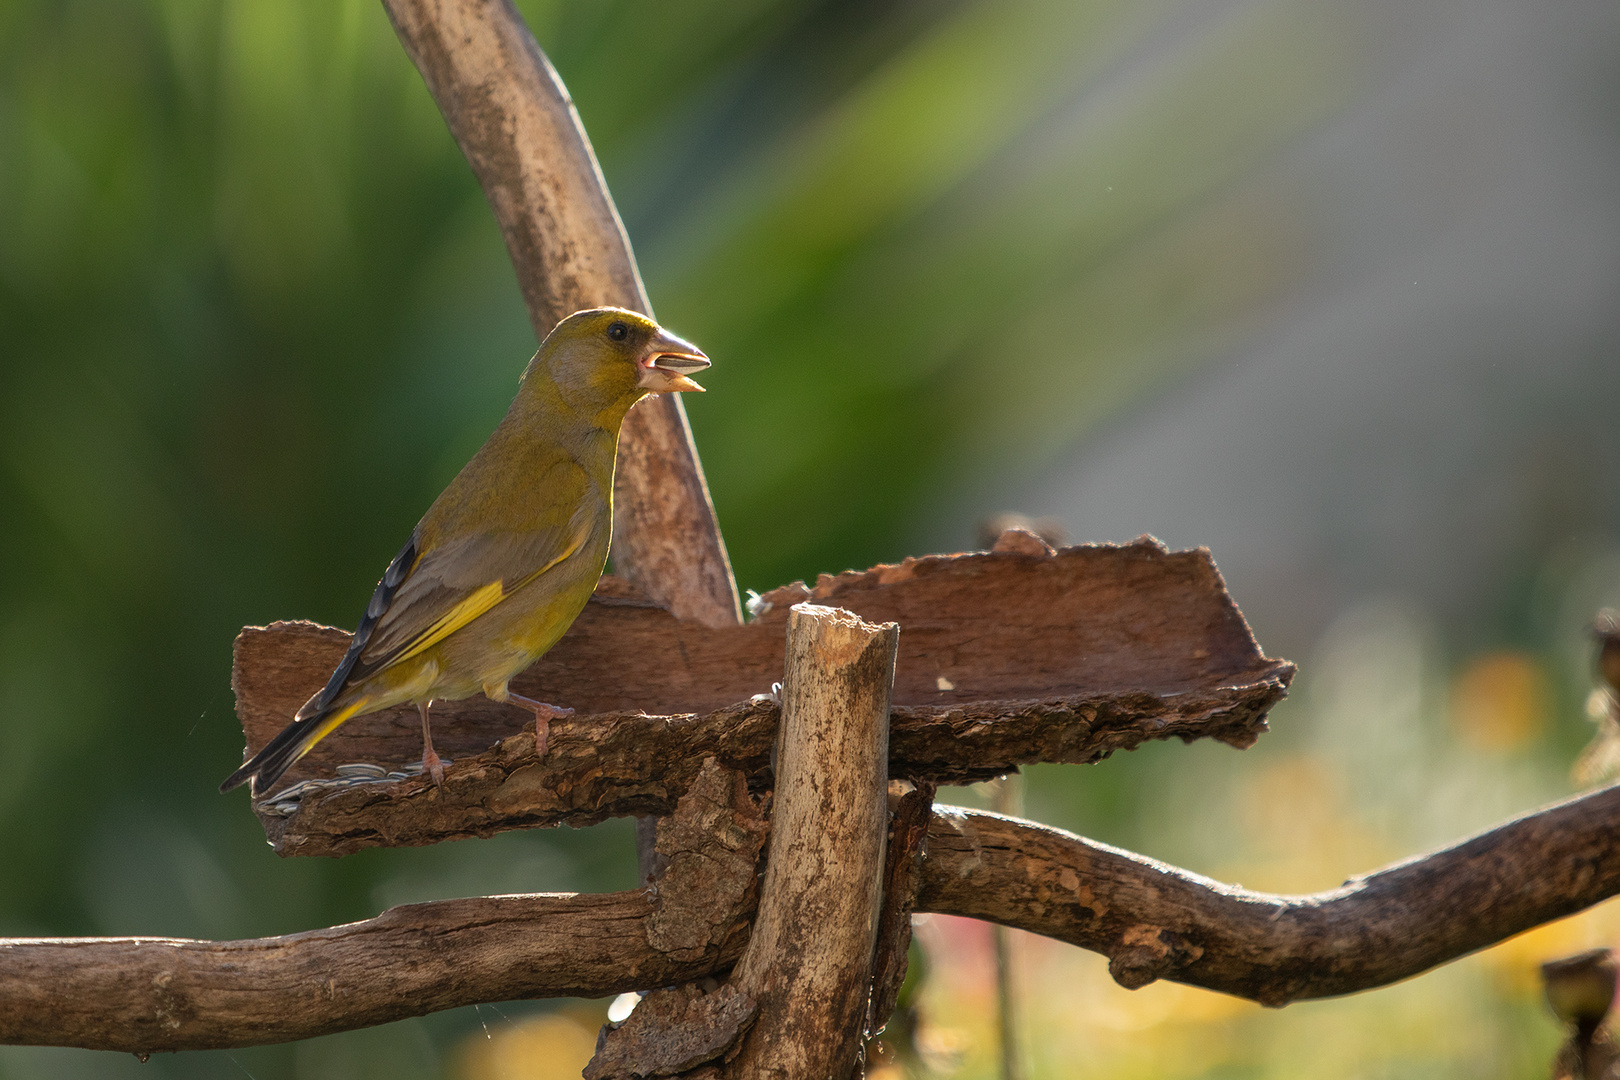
618, 331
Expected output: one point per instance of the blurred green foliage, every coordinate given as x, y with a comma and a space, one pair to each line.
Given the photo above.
254, 313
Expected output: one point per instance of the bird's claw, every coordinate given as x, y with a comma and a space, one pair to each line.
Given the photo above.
434, 767
543, 716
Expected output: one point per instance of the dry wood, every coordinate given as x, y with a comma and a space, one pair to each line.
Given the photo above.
1064, 657
792, 1007
514, 121
145, 995
622, 764
909, 814
673, 1030
809, 960
1155, 921
1152, 920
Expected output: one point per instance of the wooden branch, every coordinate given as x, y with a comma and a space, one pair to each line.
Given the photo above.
514, 121
1155, 921
1057, 657
145, 995
809, 961
1152, 920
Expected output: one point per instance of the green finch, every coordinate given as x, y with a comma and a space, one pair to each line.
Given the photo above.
507, 556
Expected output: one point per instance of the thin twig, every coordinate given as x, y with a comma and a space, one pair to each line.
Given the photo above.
1007, 798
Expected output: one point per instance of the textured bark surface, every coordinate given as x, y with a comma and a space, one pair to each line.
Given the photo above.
517, 126
622, 764
1006, 659
144, 995
1155, 921
809, 961
672, 1031
1150, 919
909, 815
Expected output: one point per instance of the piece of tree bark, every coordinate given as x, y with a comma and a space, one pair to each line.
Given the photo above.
517, 126
1155, 921
1151, 919
1084, 622
672, 1031
624, 764
1008, 659
809, 960
910, 810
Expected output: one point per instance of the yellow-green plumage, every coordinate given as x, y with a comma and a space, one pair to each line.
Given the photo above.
507, 556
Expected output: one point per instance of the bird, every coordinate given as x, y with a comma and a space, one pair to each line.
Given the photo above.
508, 554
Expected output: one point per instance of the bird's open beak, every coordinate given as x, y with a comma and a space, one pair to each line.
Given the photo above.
667, 360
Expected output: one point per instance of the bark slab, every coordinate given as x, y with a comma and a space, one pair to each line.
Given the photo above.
1007, 659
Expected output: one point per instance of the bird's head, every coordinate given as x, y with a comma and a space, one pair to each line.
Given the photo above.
614, 356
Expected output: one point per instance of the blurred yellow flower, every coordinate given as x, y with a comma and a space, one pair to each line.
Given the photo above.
553, 1046
1499, 702
1515, 964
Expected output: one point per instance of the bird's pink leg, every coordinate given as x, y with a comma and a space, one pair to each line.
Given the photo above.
543, 715
430, 760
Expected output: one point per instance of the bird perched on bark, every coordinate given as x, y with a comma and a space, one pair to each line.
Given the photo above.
509, 553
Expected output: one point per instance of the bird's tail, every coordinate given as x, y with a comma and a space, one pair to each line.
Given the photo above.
295, 740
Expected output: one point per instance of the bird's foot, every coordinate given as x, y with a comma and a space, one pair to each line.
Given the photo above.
434, 767
543, 716
430, 760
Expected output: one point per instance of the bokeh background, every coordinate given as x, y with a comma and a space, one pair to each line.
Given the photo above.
1330, 288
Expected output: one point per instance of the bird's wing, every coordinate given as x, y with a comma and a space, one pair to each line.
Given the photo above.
424, 597
460, 580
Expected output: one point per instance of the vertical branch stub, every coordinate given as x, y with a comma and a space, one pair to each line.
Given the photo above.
809, 961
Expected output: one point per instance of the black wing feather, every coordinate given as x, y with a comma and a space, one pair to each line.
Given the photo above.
392, 578
280, 752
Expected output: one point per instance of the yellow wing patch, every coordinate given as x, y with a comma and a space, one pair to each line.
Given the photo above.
329, 725
525, 579
478, 602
